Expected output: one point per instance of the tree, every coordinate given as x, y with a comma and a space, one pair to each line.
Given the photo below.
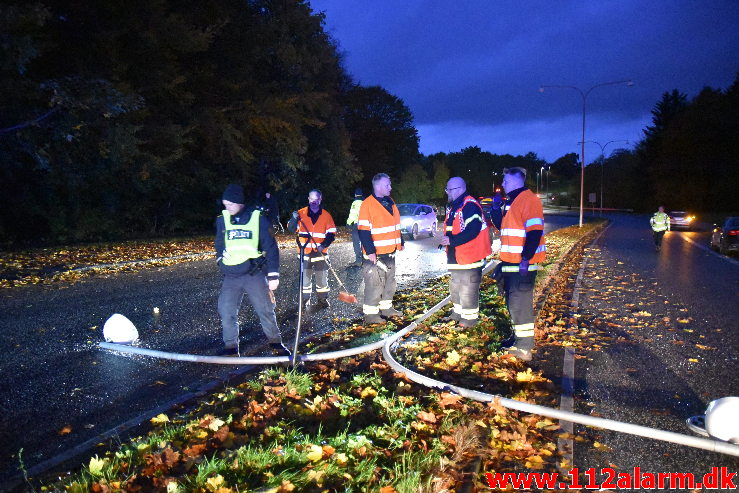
414, 186
380, 125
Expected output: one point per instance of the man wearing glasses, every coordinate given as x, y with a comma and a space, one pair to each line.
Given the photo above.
521, 224
467, 244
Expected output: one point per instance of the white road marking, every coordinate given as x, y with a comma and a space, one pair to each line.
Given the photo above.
704, 247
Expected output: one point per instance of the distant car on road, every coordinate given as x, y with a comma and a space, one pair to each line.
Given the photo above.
725, 238
680, 220
416, 219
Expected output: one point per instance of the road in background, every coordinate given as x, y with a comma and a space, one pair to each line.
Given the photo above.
673, 317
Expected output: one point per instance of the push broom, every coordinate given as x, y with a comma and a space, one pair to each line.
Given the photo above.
344, 295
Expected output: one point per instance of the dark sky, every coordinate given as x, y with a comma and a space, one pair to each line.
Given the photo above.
470, 70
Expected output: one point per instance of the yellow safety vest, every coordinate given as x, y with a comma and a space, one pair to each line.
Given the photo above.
242, 240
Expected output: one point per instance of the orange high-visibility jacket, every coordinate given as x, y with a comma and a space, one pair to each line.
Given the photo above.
384, 227
318, 231
472, 253
525, 214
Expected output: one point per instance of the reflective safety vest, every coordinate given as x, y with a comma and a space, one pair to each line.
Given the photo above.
354, 212
523, 215
319, 230
242, 240
471, 254
384, 227
660, 222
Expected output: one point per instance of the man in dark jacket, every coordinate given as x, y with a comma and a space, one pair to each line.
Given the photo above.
249, 259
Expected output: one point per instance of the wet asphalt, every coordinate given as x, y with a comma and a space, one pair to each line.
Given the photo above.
675, 347
54, 375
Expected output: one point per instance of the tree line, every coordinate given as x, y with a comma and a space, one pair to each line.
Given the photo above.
127, 119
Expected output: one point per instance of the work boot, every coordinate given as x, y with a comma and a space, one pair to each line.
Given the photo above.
228, 351
467, 323
373, 319
452, 317
321, 303
521, 349
279, 349
391, 312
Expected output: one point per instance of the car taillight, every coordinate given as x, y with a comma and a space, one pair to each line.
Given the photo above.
734, 232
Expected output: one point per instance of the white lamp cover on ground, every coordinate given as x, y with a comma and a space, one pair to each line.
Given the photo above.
722, 419
120, 330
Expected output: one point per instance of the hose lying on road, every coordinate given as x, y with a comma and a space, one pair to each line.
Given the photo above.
391, 341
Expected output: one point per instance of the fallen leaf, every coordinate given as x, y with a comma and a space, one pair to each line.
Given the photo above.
66, 430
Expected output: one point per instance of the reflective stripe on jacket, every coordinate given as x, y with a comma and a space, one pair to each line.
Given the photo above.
471, 254
319, 230
241, 240
354, 212
383, 226
523, 215
660, 222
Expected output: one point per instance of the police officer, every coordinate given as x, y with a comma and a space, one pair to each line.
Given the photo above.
467, 243
249, 259
379, 232
521, 223
352, 221
660, 223
316, 230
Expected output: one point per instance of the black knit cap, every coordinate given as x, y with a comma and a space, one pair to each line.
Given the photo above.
234, 193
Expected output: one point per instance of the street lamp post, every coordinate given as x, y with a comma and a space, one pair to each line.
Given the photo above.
602, 163
584, 95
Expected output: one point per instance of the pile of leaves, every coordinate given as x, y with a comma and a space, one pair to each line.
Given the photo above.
73, 263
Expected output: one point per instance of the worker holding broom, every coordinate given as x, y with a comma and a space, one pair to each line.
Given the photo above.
316, 230
379, 232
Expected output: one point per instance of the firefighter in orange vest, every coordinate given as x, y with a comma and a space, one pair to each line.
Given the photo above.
521, 224
467, 245
316, 230
379, 233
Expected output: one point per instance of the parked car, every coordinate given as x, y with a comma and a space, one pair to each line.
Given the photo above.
726, 238
680, 220
416, 219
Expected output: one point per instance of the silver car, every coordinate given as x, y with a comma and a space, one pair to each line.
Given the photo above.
680, 219
416, 219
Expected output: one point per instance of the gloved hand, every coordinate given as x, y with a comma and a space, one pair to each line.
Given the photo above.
295, 215
225, 257
523, 267
273, 283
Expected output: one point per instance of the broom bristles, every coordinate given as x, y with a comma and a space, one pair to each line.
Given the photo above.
347, 298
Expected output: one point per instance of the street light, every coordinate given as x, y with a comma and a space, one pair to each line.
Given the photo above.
602, 163
584, 95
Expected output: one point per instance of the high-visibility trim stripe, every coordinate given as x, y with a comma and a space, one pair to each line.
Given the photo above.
305, 235
465, 266
386, 229
273, 273
533, 222
457, 308
521, 233
511, 248
470, 311
364, 222
331, 230
449, 228
524, 330
307, 290
322, 289
314, 259
370, 310
385, 304
514, 268
472, 218
392, 241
